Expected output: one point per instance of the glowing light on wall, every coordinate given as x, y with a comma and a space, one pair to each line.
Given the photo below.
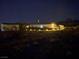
27, 26
39, 30
46, 30
41, 26
54, 29
61, 27
26, 29
58, 29
34, 30
53, 25
30, 29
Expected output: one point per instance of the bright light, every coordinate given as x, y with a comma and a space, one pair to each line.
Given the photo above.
27, 26
30, 29
53, 25
61, 27
39, 30
54, 29
47, 30
58, 28
41, 26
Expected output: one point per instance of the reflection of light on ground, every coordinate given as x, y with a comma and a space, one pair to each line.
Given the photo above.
3, 57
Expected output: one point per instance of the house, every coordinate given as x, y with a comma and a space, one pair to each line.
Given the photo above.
10, 27
31, 27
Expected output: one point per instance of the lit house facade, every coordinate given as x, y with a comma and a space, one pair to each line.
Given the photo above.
31, 27
10, 27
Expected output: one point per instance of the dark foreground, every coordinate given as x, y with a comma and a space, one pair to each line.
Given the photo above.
39, 45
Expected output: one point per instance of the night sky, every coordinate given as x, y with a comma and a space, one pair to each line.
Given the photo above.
47, 10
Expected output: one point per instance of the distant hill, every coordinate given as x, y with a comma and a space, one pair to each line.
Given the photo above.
69, 22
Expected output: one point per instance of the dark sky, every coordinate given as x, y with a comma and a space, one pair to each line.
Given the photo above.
47, 10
